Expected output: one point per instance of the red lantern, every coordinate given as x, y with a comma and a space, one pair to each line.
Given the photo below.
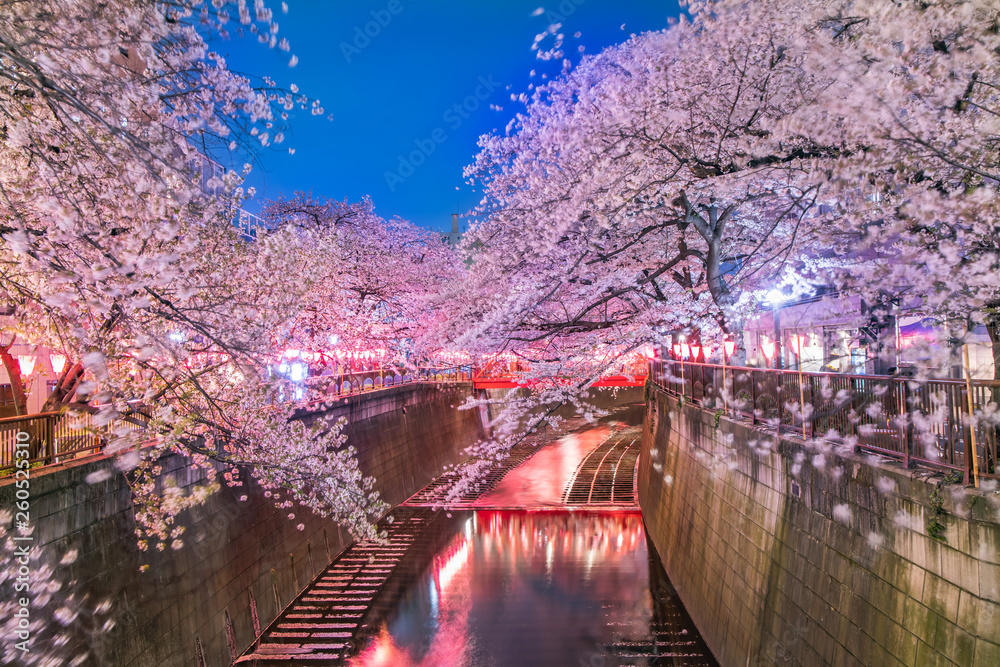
730, 347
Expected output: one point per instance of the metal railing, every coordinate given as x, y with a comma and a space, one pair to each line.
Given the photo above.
53, 437
499, 373
350, 384
925, 422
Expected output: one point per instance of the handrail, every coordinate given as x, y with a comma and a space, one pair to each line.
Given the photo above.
875, 412
53, 437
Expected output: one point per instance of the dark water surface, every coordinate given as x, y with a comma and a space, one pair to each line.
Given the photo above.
497, 588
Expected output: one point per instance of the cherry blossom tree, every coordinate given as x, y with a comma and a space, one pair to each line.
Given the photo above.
912, 95
114, 252
376, 281
664, 185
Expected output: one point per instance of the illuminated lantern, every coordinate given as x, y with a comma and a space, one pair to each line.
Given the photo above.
677, 350
685, 350
707, 350
730, 347
767, 348
58, 362
291, 354
27, 362
695, 351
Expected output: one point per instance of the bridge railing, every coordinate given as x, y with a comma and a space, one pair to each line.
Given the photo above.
516, 373
349, 384
928, 422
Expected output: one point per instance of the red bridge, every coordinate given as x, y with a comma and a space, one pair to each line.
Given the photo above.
509, 373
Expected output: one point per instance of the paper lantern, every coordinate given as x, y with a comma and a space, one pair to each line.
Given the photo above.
58, 362
27, 362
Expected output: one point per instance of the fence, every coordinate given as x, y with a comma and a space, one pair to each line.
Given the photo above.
53, 437
916, 422
350, 384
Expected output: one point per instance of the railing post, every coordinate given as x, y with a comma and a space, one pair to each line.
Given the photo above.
907, 433
50, 436
807, 424
850, 411
753, 396
780, 399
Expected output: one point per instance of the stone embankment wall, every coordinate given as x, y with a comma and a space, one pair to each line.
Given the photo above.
232, 549
783, 562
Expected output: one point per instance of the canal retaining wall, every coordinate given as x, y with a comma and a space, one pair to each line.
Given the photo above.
234, 550
784, 559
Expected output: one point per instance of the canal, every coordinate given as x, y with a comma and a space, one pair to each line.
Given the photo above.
547, 565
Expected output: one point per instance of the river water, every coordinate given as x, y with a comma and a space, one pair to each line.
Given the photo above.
546, 585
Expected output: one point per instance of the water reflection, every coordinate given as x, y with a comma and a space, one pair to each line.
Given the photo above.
537, 588
541, 481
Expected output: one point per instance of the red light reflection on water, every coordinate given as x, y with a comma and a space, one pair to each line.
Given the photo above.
511, 586
541, 480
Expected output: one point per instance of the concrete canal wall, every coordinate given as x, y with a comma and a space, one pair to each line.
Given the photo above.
783, 563
232, 550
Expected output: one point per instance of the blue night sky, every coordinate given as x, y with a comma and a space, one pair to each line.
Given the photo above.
397, 93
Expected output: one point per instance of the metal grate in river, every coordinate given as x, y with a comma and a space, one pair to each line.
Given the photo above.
606, 476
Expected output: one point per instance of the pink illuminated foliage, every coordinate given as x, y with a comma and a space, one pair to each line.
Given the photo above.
664, 185
119, 253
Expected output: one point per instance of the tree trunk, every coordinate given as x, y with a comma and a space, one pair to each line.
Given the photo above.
65, 388
13, 368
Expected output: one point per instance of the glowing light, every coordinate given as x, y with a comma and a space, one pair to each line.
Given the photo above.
708, 350
452, 565
730, 347
58, 362
695, 351
27, 362
685, 350
291, 354
775, 297
797, 344
677, 350
767, 347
